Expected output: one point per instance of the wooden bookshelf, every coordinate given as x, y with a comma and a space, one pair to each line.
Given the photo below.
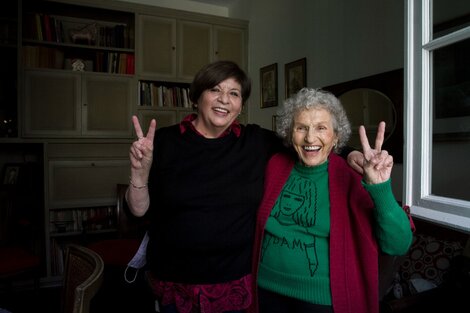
76, 71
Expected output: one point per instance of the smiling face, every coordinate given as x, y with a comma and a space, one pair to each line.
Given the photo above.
218, 107
313, 136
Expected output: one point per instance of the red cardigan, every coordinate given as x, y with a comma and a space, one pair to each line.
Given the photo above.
353, 248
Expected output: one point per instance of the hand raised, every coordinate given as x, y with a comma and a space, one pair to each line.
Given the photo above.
141, 151
377, 163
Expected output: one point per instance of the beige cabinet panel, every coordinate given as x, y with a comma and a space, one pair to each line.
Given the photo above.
194, 47
51, 104
175, 49
84, 183
107, 106
163, 117
157, 46
230, 44
183, 113
70, 104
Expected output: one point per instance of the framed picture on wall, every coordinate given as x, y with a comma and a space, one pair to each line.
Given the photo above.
295, 76
268, 83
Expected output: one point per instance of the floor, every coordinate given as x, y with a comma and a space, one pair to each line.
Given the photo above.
27, 300
114, 296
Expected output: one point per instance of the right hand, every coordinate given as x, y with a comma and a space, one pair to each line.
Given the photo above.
141, 152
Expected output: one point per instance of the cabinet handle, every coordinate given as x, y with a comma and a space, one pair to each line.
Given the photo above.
84, 104
92, 163
173, 48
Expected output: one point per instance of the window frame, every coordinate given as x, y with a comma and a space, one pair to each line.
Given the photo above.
418, 90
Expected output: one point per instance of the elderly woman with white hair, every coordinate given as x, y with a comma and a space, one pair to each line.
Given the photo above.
321, 225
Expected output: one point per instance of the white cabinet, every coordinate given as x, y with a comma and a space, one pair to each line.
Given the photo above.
84, 182
175, 49
156, 54
69, 104
194, 47
230, 43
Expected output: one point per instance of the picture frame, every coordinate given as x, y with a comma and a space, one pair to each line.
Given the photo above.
11, 174
268, 83
295, 76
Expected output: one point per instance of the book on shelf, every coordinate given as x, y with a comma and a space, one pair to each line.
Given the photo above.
80, 220
65, 29
43, 57
156, 94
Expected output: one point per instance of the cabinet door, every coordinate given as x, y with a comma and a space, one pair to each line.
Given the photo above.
51, 104
229, 44
157, 46
84, 183
163, 118
194, 48
107, 105
183, 113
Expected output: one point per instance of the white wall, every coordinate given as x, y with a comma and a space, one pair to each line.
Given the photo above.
342, 40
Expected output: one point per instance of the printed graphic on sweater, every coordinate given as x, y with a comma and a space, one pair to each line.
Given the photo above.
295, 209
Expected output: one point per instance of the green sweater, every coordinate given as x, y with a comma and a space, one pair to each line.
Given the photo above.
295, 251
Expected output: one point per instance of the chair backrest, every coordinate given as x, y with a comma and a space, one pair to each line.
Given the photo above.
83, 277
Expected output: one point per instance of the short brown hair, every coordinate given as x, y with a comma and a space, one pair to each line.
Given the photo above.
214, 73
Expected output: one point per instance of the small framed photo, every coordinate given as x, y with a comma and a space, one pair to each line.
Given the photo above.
268, 83
11, 173
295, 76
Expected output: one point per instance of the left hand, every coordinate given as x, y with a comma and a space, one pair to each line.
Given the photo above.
355, 160
377, 164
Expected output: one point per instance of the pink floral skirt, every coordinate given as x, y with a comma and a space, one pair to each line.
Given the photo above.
210, 298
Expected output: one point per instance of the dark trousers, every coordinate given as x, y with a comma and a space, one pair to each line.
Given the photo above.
270, 302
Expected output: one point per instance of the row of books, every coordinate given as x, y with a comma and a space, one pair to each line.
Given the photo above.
45, 57
114, 62
157, 95
104, 62
82, 219
45, 27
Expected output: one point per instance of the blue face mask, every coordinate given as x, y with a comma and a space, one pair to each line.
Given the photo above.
139, 260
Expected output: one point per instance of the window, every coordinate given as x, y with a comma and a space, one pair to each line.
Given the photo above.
437, 111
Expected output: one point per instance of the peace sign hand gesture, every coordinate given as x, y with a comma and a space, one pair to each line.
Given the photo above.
141, 152
377, 164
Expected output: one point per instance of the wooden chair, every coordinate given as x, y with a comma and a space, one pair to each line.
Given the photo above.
83, 277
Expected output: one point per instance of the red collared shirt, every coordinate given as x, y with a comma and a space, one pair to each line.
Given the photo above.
186, 124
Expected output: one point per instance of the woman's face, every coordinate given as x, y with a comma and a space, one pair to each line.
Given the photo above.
218, 107
313, 136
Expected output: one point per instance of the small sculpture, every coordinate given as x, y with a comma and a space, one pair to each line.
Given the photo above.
78, 65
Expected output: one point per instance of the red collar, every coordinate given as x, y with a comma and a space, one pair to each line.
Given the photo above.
186, 124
